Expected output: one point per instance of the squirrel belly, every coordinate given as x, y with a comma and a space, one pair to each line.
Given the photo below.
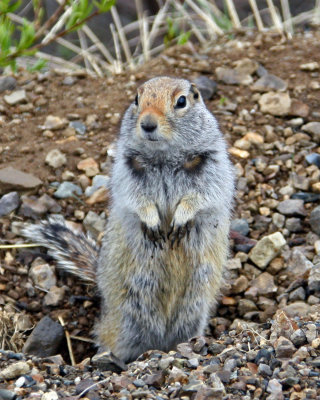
160, 264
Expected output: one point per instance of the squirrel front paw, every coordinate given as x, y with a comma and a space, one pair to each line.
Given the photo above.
154, 234
179, 231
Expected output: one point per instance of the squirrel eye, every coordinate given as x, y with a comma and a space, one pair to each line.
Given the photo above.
182, 102
136, 100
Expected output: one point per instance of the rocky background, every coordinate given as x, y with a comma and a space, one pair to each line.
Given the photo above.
56, 149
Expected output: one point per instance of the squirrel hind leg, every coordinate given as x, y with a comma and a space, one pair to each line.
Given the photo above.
75, 252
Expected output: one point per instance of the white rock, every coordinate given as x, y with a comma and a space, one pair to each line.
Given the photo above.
14, 370
56, 159
19, 96
267, 249
42, 275
275, 103
50, 396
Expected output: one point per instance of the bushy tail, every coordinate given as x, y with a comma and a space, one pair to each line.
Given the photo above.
75, 252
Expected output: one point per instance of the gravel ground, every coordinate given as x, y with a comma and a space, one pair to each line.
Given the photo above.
56, 148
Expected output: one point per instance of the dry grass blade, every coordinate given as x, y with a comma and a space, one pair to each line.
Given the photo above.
233, 14
212, 26
68, 340
122, 36
82, 339
316, 16
256, 14
18, 245
275, 16
118, 61
92, 36
288, 26
193, 25
157, 22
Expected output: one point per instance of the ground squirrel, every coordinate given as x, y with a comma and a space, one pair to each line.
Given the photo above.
160, 264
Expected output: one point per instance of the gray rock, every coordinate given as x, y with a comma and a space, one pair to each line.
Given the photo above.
7, 83
108, 362
67, 189
315, 220
97, 182
56, 159
298, 338
54, 297
245, 306
273, 103
45, 338
292, 208
269, 82
8, 203
314, 278
267, 249
284, 347
240, 225
14, 370
42, 274
217, 386
11, 178
274, 387
297, 309
207, 87
17, 97
36, 207
264, 285
7, 394
313, 128
232, 76
313, 158
94, 223
78, 126
264, 370
297, 294
293, 225
299, 181
298, 263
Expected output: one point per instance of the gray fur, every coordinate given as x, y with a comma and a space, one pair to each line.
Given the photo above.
162, 255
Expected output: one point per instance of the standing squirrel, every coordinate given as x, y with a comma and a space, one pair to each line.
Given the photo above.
160, 264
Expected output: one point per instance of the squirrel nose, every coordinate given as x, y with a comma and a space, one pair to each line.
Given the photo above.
149, 124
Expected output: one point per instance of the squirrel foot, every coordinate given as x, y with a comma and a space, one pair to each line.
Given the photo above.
178, 232
154, 234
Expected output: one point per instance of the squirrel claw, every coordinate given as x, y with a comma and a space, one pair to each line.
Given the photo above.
178, 232
155, 235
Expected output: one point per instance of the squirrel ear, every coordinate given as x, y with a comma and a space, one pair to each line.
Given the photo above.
195, 91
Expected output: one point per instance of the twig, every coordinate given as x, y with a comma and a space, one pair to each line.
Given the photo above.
86, 390
68, 340
82, 339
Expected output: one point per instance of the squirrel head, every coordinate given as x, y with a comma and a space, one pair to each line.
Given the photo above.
162, 109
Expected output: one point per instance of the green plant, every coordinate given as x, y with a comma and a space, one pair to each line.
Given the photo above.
30, 36
174, 33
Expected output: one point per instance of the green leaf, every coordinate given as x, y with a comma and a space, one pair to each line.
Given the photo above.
104, 5
41, 63
27, 35
184, 37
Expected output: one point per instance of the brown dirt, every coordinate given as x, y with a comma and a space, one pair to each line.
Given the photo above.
23, 145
